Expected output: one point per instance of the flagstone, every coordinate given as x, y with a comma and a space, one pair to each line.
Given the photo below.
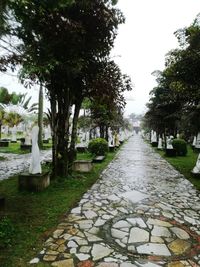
118, 234
99, 251
49, 257
121, 224
179, 246
106, 264
89, 214
154, 249
35, 260
138, 235
156, 239
85, 249
82, 256
176, 264
180, 233
160, 231
158, 222
63, 263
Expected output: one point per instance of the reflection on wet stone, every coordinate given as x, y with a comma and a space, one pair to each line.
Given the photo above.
140, 213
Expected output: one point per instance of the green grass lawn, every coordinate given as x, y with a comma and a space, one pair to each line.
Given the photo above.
35, 215
15, 148
184, 165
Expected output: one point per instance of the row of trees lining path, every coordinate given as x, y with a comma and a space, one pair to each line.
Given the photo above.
174, 105
64, 46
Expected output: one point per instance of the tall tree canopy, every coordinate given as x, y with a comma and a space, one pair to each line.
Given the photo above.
175, 102
61, 45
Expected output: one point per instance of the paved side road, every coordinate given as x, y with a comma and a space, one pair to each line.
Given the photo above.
140, 213
15, 164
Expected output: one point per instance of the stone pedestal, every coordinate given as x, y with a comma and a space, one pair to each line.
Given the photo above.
98, 159
25, 147
2, 203
33, 182
82, 165
4, 143
111, 148
81, 149
170, 152
195, 175
154, 144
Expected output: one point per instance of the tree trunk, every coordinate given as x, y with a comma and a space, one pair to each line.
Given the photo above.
61, 132
101, 131
54, 138
106, 135
40, 116
72, 151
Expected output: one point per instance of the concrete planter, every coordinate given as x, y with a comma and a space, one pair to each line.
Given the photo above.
195, 175
170, 152
81, 149
25, 147
4, 143
154, 144
98, 159
82, 165
111, 148
33, 182
2, 203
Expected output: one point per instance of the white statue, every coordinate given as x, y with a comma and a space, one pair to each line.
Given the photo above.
160, 143
46, 134
197, 145
14, 131
35, 166
194, 141
196, 169
153, 137
169, 142
27, 138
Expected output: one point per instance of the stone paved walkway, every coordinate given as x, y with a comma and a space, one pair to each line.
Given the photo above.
140, 213
15, 163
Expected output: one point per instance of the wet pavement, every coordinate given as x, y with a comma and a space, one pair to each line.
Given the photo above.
14, 163
141, 212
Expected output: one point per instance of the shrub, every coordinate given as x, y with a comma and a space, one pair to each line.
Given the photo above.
98, 146
6, 232
180, 146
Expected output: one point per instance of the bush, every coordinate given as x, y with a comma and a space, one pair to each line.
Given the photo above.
180, 146
6, 232
98, 146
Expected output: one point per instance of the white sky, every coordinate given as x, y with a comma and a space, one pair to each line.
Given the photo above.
141, 44
145, 38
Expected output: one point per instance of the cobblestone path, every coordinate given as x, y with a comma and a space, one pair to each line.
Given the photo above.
15, 164
141, 212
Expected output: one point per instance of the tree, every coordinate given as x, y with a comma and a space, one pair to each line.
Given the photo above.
59, 42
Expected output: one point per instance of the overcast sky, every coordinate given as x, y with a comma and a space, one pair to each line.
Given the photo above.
145, 38
141, 44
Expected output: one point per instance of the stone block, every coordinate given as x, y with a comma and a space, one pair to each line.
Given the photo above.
98, 159
170, 152
4, 143
81, 149
2, 203
33, 182
154, 144
25, 147
82, 165
111, 148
